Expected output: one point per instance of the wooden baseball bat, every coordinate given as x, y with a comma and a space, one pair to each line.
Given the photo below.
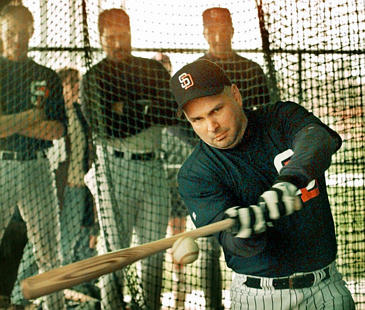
85, 270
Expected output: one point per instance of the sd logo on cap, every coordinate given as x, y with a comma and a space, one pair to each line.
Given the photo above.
198, 79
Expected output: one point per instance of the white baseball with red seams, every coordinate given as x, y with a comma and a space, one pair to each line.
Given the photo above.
185, 250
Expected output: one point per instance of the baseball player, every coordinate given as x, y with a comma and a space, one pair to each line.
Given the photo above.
251, 81
31, 116
245, 73
265, 168
127, 99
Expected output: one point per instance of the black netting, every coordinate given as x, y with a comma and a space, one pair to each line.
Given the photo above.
112, 176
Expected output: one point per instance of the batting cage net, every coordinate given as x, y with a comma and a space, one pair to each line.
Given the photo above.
90, 145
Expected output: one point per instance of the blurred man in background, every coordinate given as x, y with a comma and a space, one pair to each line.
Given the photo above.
245, 73
126, 100
31, 116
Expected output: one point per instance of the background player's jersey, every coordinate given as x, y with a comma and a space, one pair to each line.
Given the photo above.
247, 75
141, 84
21, 85
212, 180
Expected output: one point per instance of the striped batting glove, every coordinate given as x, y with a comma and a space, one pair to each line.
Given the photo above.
280, 200
250, 220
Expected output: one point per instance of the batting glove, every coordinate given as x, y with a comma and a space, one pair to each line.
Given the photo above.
281, 199
250, 220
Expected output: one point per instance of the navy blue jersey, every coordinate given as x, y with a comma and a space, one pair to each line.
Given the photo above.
141, 84
21, 84
212, 180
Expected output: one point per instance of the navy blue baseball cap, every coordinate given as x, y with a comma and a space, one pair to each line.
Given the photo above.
198, 79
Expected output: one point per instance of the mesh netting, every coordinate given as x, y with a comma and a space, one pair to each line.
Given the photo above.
112, 177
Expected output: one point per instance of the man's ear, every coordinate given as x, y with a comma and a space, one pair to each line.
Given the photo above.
205, 34
31, 31
236, 94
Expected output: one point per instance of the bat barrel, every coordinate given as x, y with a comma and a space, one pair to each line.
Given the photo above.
85, 270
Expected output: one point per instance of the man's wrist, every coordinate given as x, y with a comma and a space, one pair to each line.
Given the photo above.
295, 180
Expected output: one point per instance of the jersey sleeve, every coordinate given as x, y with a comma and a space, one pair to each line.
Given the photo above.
312, 142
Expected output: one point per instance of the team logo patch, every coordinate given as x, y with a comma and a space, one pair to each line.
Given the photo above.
186, 81
39, 92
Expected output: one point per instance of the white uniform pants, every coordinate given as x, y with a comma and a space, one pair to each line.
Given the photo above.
327, 294
133, 194
29, 184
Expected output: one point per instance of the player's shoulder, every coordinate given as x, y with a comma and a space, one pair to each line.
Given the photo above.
276, 108
42, 71
272, 114
32, 63
203, 163
99, 66
146, 63
195, 162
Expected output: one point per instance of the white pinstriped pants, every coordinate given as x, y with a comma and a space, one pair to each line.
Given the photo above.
140, 192
328, 294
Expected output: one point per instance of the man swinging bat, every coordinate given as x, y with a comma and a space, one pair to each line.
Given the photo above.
266, 168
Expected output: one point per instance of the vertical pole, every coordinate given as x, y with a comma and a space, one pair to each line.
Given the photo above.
272, 82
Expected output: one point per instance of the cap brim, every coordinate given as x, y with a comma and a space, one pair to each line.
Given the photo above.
199, 93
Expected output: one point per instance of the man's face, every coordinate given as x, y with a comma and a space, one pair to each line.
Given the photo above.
219, 38
218, 120
116, 41
15, 36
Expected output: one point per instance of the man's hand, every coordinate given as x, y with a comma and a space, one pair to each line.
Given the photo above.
118, 107
250, 220
40, 102
281, 199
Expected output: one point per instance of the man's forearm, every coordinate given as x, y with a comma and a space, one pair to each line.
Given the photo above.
313, 149
45, 130
14, 123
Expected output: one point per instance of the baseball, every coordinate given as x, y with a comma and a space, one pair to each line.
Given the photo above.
185, 250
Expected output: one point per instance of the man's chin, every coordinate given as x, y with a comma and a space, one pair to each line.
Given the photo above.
120, 56
223, 144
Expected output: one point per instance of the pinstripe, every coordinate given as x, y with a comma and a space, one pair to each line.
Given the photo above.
322, 294
290, 298
255, 300
327, 292
313, 297
247, 301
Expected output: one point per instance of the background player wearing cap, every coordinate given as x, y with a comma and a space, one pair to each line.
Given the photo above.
126, 100
249, 165
246, 74
31, 116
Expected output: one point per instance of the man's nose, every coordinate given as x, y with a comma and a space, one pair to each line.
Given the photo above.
220, 36
212, 124
19, 37
116, 44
